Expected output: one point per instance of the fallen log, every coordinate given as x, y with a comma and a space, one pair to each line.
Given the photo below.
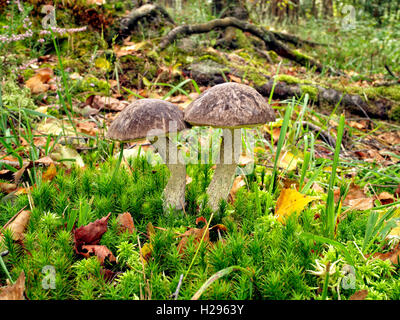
380, 108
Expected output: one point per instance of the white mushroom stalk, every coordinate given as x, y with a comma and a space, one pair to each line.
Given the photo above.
174, 191
224, 174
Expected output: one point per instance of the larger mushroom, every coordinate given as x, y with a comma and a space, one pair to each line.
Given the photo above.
229, 106
158, 121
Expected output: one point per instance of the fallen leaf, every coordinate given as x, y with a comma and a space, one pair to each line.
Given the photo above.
385, 198
196, 234
359, 295
237, 184
125, 222
289, 202
393, 256
361, 204
107, 103
91, 233
18, 225
15, 291
64, 152
7, 187
101, 252
287, 161
146, 251
87, 127
50, 173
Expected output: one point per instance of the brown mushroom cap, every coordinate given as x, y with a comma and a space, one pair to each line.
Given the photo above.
144, 118
229, 105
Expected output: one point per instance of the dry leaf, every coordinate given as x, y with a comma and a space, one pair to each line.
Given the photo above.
125, 222
91, 233
87, 127
18, 225
359, 295
7, 187
385, 198
393, 256
237, 184
287, 161
361, 204
195, 233
289, 202
50, 173
101, 252
15, 291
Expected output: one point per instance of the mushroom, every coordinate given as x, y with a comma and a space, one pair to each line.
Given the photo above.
158, 121
228, 106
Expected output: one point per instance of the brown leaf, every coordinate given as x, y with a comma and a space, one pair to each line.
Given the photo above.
36, 85
385, 198
197, 234
15, 291
393, 256
101, 252
7, 187
125, 222
237, 184
108, 103
91, 233
87, 127
359, 295
18, 225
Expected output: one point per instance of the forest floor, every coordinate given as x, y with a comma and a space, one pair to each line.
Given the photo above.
325, 228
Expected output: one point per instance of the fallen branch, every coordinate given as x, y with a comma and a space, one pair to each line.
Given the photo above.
353, 103
128, 23
271, 42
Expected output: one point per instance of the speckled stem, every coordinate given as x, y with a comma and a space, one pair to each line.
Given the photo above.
174, 191
221, 183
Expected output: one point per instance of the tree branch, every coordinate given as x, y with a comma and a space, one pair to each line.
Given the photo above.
268, 37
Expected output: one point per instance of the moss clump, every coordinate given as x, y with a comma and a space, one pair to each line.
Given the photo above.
302, 56
288, 79
94, 85
395, 113
15, 97
273, 55
214, 58
311, 90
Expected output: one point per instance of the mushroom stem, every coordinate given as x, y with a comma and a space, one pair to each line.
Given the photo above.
221, 183
174, 191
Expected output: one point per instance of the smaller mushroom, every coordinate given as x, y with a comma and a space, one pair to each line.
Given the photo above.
158, 121
229, 106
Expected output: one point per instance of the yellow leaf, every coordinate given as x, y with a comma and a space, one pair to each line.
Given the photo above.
146, 251
287, 161
289, 202
50, 173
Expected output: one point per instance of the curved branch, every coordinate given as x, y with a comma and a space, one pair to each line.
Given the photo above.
130, 21
267, 36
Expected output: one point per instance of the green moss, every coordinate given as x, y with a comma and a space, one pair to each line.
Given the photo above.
395, 113
215, 58
311, 90
288, 79
94, 85
15, 97
302, 56
273, 55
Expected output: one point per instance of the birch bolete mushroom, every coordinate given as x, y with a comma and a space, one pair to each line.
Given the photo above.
228, 106
157, 121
